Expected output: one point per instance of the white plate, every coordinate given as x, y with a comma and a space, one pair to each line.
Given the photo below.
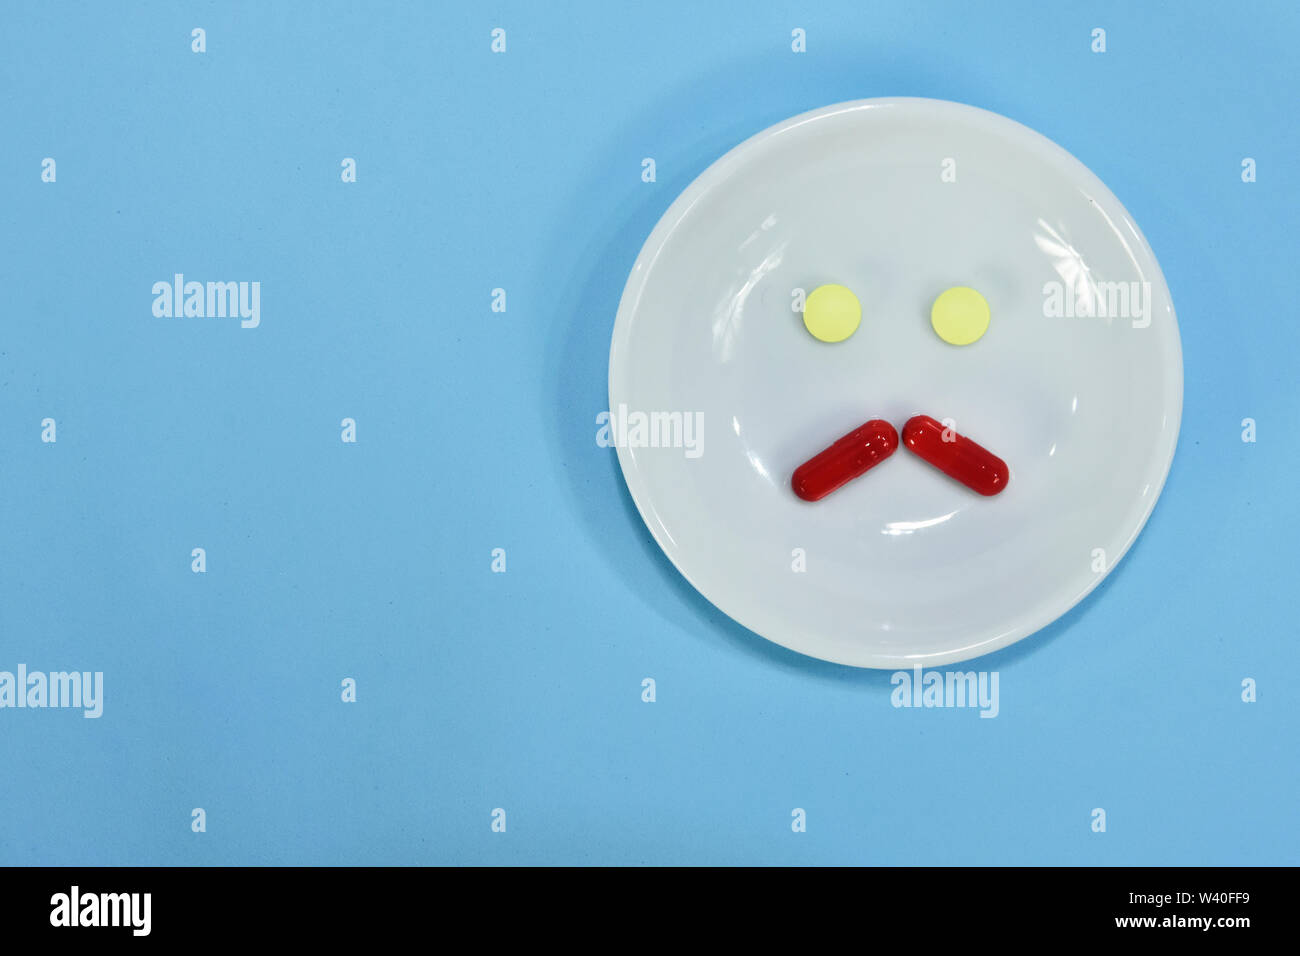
904, 566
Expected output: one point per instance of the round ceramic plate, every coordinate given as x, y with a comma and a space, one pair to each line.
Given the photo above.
718, 392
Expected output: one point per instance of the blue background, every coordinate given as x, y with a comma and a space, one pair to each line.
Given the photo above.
476, 430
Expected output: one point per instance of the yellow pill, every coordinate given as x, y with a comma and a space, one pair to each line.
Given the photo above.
832, 313
960, 315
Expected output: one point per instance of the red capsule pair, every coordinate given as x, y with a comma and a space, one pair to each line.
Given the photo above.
868, 445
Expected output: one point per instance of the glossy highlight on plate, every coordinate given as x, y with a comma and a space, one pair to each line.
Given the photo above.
957, 457
850, 457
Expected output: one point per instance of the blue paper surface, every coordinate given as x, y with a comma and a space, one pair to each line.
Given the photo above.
478, 691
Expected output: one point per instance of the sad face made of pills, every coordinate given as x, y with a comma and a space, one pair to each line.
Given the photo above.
960, 317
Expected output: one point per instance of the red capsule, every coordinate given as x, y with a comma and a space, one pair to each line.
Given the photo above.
973, 465
853, 455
